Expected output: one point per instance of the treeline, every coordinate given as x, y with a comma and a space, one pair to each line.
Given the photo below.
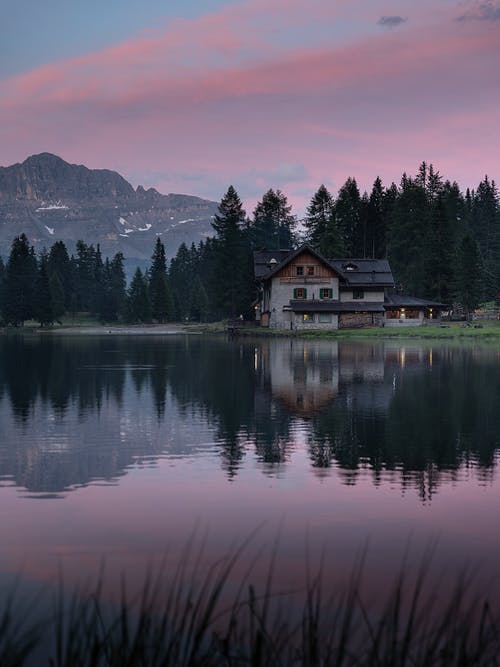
441, 243
46, 287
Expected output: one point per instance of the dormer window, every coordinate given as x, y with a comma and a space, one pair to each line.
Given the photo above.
299, 270
349, 266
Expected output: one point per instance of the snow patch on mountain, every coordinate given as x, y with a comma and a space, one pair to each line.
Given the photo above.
51, 207
50, 230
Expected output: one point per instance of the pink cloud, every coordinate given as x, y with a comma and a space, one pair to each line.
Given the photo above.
218, 96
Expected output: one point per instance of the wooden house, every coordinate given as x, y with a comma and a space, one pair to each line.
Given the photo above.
300, 289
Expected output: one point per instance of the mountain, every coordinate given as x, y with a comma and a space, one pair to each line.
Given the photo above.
50, 199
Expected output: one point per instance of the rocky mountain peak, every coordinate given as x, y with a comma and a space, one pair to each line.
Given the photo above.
50, 199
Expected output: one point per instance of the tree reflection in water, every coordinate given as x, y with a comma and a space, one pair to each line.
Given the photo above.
419, 416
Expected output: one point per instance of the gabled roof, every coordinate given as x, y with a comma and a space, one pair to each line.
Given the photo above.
364, 272
403, 301
286, 256
355, 272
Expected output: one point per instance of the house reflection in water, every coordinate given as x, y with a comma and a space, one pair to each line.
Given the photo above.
307, 376
302, 375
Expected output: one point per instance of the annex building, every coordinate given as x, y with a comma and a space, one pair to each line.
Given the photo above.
300, 289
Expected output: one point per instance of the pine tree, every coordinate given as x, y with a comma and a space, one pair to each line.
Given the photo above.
407, 237
117, 286
231, 270
57, 296
376, 222
319, 219
468, 285
42, 310
138, 305
20, 277
485, 227
348, 218
159, 292
181, 275
59, 263
273, 225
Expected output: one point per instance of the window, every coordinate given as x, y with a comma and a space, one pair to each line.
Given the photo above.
392, 314
310, 270
326, 293
358, 294
324, 317
300, 293
308, 317
299, 270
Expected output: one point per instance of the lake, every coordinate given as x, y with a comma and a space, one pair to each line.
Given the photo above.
116, 451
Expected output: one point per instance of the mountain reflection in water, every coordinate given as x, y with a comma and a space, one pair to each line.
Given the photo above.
79, 410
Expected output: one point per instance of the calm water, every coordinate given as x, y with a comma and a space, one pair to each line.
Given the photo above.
121, 448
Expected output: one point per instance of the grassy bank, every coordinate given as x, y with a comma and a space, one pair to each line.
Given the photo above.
195, 621
486, 330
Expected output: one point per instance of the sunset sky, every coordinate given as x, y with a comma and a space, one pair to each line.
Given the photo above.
190, 96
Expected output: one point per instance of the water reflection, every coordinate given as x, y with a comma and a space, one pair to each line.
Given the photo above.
76, 410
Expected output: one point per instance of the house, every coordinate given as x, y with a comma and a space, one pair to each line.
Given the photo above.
300, 289
410, 311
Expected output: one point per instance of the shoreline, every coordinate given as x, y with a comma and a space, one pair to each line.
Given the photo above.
487, 331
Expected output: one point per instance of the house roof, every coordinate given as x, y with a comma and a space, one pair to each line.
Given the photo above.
403, 301
364, 272
262, 261
326, 306
352, 272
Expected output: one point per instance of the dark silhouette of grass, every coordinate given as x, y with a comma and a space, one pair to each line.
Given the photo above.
195, 620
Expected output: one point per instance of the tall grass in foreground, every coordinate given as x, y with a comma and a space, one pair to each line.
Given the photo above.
198, 618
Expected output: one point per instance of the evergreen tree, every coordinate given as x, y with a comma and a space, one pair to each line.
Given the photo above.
181, 275
319, 220
468, 275
117, 286
199, 302
59, 263
42, 310
20, 277
407, 237
376, 245
439, 251
232, 268
57, 296
84, 274
273, 225
159, 292
485, 227
348, 219
138, 305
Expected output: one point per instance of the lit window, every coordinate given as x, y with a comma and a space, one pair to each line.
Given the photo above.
308, 317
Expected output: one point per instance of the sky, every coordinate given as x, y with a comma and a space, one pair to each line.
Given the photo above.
191, 96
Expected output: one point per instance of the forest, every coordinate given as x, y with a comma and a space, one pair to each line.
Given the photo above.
442, 244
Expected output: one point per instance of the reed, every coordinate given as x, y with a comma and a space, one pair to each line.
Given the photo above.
197, 617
